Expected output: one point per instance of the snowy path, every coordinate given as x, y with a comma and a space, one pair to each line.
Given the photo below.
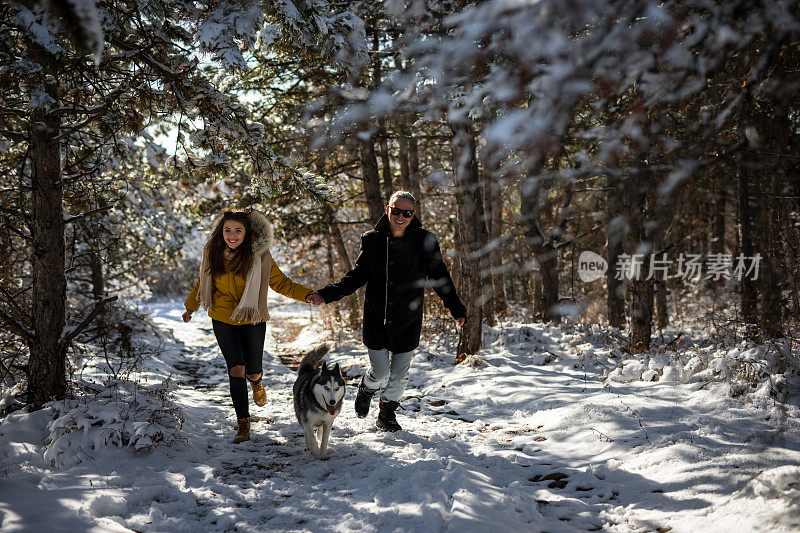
428, 478
520, 443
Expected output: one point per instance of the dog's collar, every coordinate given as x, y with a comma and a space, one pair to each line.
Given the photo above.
319, 404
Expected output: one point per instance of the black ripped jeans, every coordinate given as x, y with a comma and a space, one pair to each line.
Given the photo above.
241, 345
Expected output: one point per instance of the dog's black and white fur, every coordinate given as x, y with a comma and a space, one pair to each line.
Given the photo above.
318, 396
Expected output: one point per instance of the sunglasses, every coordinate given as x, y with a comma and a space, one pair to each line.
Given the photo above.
407, 213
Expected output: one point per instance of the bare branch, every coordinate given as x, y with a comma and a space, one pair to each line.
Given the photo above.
98, 306
12, 300
17, 136
86, 214
15, 326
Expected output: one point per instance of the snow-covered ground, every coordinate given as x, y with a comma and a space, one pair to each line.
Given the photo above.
532, 436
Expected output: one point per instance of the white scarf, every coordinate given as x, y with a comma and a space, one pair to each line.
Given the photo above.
252, 306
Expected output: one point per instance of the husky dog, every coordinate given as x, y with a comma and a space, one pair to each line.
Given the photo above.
318, 395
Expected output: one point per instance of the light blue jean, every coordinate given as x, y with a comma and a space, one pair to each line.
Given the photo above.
383, 363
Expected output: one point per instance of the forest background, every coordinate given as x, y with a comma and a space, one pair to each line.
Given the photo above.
531, 131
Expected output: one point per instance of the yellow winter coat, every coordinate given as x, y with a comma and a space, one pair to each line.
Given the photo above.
228, 290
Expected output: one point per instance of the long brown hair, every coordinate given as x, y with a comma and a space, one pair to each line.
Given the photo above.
241, 257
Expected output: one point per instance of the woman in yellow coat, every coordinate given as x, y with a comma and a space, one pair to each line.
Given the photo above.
235, 273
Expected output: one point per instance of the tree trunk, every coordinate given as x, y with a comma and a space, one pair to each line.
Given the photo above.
494, 203
748, 289
6, 250
409, 166
703, 216
544, 250
641, 325
372, 181
718, 228
469, 210
455, 265
660, 278
615, 297
329, 256
535, 295
414, 177
661, 293
664, 210
388, 186
641, 311
770, 246
95, 262
717, 240
337, 314
338, 240
352, 302
405, 172
482, 229
547, 257
650, 221
780, 129
382, 141
98, 279
47, 363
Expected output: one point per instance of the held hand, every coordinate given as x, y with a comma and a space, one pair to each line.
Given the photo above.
315, 299
460, 321
187, 316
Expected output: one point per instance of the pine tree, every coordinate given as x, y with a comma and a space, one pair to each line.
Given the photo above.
74, 88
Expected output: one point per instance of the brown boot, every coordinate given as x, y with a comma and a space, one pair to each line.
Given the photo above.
259, 394
243, 430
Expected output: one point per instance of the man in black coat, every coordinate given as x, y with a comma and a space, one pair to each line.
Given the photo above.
396, 260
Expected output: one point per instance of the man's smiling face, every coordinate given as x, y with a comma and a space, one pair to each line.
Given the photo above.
398, 222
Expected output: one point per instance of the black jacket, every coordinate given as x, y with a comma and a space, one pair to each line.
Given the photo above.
395, 271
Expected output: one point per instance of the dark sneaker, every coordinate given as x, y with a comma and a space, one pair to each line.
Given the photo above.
386, 418
363, 397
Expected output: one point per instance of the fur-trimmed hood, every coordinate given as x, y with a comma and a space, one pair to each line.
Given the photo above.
262, 229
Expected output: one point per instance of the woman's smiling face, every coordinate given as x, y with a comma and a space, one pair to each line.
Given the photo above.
233, 233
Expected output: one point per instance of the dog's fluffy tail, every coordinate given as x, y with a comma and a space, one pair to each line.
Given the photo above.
312, 358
